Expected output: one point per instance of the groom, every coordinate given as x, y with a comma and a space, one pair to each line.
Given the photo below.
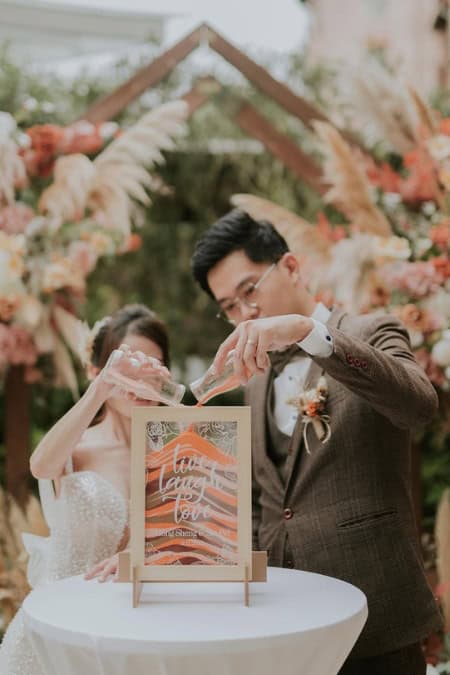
339, 506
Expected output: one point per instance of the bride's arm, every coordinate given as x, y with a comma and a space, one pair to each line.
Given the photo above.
51, 455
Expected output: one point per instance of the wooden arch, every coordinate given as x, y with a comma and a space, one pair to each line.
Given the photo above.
247, 117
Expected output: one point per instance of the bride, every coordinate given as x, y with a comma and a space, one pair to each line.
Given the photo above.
83, 468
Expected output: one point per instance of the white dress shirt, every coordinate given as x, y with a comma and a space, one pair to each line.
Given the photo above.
290, 382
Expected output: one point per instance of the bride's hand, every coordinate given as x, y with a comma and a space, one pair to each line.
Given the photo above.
106, 570
134, 365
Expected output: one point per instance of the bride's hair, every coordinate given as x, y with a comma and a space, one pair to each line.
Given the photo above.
129, 320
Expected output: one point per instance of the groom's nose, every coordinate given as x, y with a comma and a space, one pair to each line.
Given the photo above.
248, 312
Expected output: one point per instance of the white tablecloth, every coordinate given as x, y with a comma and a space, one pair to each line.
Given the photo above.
297, 624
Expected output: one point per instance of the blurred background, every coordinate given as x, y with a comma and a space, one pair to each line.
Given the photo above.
334, 113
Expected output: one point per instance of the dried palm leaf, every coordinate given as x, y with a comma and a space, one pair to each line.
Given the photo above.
65, 373
74, 331
424, 113
350, 189
120, 173
442, 533
66, 198
351, 271
117, 176
302, 238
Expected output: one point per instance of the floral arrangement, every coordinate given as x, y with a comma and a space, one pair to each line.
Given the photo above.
391, 251
68, 197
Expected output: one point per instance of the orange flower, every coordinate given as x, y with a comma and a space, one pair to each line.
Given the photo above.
46, 142
82, 137
384, 177
442, 266
134, 242
440, 235
329, 232
421, 185
312, 408
444, 126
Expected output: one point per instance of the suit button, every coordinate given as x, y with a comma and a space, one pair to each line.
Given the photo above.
357, 363
364, 365
287, 514
289, 564
349, 358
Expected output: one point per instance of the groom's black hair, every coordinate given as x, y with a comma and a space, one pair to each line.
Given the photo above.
236, 231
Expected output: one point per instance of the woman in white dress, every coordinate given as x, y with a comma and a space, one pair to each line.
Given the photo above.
83, 469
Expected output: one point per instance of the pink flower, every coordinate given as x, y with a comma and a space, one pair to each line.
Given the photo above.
418, 279
15, 217
84, 256
418, 319
434, 372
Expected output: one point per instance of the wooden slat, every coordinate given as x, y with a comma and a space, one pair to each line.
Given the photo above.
259, 127
264, 81
148, 76
202, 91
280, 145
17, 434
109, 106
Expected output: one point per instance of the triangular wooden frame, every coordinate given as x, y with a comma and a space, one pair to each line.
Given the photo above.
247, 117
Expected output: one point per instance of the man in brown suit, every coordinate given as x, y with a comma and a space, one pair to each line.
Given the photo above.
339, 506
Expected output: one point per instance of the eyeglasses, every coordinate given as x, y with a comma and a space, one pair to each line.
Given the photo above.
248, 296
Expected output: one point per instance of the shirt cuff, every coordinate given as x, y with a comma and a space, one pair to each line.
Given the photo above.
318, 342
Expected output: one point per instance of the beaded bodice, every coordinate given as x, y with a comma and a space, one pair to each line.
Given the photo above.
86, 522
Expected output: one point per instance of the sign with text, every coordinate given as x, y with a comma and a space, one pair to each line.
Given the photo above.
191, 493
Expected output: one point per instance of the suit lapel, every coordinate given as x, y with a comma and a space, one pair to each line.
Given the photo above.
311, 379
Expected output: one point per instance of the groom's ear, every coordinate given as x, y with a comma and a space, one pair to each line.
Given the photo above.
291, 263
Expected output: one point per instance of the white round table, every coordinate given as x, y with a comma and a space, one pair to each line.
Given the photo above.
297, 623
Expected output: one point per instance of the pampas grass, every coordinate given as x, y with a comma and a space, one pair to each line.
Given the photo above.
384, 102
302, 237
350, 189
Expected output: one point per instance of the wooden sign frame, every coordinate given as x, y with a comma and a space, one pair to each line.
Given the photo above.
186, 416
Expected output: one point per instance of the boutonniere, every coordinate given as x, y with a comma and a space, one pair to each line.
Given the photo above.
311, 406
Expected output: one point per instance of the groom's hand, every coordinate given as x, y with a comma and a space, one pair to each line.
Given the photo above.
251, 340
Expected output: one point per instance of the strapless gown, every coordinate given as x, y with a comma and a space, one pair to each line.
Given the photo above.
87, 523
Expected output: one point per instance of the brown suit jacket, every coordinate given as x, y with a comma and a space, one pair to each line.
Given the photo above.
349, 509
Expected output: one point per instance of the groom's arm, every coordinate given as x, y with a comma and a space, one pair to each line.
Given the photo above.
381, 368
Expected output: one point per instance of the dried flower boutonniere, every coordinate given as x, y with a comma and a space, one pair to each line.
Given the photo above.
311, 406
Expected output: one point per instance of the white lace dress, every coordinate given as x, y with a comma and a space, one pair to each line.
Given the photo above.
87, 523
